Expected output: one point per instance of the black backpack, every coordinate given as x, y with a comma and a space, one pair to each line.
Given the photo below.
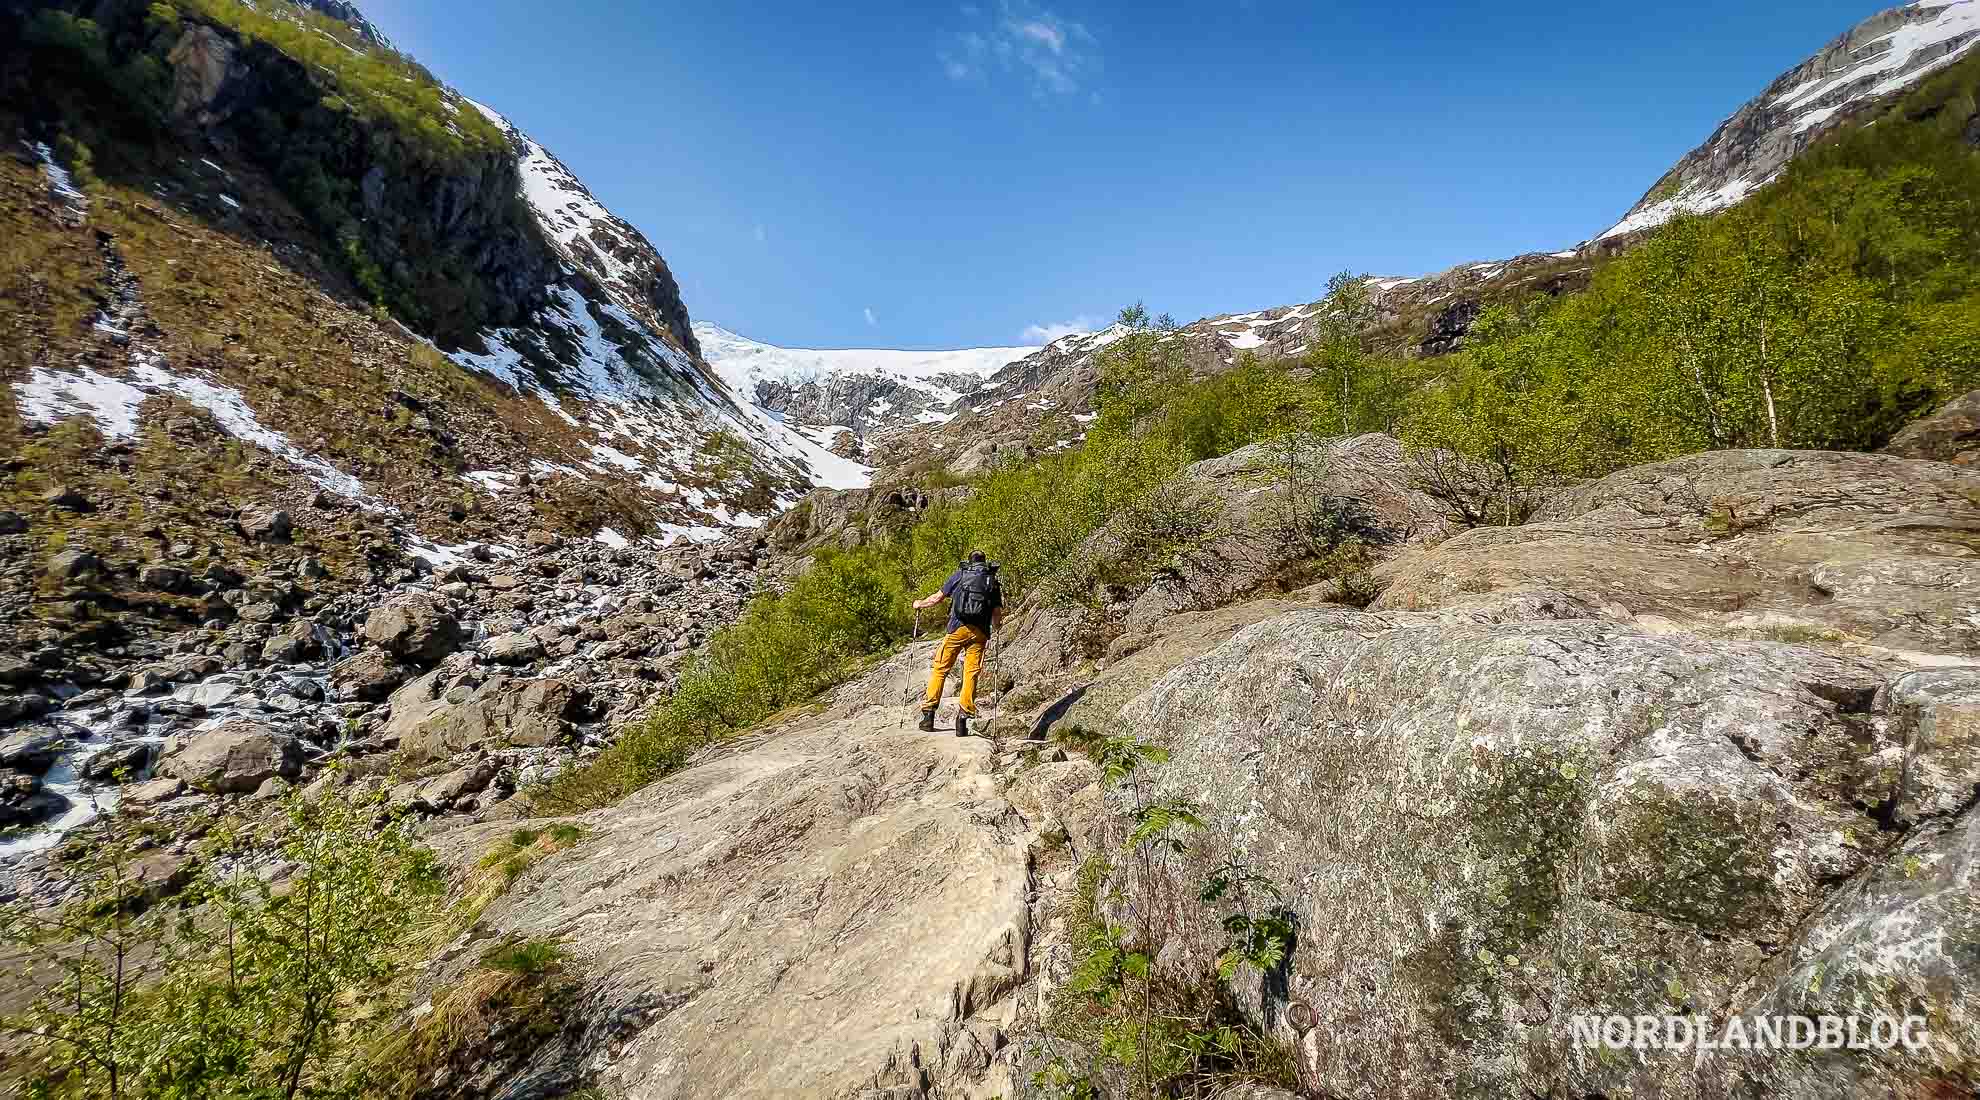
978, 593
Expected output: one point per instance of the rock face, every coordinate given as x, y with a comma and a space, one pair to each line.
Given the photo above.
348, 12
234, 758
1952, 434
1845, 82
1484, 829
1850, 547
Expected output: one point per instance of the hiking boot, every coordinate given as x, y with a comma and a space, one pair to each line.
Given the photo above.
927, 722
962, 724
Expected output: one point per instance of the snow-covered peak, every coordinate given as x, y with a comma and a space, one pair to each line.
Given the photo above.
1881, 56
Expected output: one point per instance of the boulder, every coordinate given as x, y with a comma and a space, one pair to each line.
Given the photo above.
127, 758
265, 525
32, 751
68, 497
151, 792
513, 649
11, 523
15, 707
1796, 545
448, 789
157, 875
23, 800
261, 611
164, 578
503, 711
368, 677
234, 758
1480, 830
293, 644
415, 627
1950, 434
73, 565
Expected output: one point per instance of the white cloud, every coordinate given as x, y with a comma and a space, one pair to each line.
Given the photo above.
1054, 56
870, 318
1045, 334
1045, 33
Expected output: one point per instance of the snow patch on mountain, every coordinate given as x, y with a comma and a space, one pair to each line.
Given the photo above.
609, 364
1882, 56
52, 395
1692, 200
1901, 58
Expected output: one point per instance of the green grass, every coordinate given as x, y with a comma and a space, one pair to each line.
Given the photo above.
525, 957
378, 84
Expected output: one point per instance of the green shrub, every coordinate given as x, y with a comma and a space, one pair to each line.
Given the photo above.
252, 989
1824, 312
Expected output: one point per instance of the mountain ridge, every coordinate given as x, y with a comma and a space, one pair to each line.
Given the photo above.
1872, 61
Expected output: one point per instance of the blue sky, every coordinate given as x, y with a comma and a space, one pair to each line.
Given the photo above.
964, 174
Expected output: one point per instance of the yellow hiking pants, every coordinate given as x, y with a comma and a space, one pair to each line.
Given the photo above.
967, 642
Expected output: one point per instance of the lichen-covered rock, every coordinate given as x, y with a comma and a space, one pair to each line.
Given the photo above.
1842, 547
1483, 829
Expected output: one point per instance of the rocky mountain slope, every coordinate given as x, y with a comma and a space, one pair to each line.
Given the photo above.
480, 239
1561, 786
840, 397
292, 326
1874, 60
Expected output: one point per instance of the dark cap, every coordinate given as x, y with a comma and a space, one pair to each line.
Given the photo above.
976, 557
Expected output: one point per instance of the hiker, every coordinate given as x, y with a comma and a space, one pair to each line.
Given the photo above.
976, 607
